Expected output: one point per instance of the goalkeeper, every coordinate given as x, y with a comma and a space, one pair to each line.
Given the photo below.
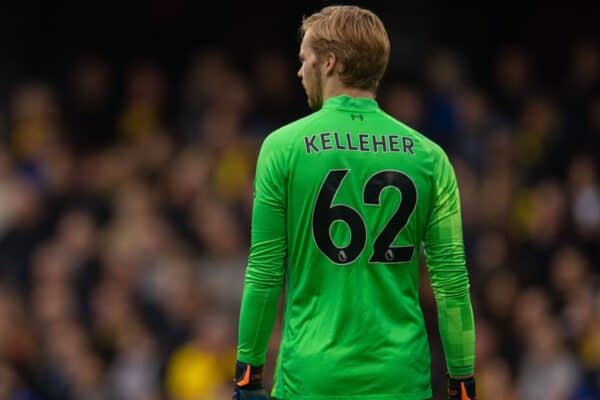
344, 200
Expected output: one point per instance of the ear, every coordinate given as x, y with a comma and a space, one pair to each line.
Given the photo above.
331, 63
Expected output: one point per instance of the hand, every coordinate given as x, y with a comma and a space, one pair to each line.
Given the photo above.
461, 388
240, 394
248, 383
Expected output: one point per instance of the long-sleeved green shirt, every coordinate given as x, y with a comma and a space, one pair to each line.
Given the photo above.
344, 198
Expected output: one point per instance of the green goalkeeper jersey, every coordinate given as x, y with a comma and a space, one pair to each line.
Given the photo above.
343, 200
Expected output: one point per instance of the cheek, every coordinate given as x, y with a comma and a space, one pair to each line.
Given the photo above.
305, 73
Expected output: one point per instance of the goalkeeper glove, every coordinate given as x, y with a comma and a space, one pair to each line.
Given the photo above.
248, 383
461, 389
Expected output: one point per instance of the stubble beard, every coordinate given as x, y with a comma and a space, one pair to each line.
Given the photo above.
315, 93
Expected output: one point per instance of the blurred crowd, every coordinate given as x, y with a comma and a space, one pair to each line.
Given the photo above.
125, 207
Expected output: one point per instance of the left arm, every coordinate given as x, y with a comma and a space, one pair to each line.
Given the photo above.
265, 270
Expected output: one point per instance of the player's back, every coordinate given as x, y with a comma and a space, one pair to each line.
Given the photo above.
358, 198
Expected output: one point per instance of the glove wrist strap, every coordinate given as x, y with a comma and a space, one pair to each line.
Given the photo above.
461, 388
248, 377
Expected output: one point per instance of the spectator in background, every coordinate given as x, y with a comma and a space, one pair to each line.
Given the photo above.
201, 368
446, 83
91, 104
142, 112
513, 81
405, 102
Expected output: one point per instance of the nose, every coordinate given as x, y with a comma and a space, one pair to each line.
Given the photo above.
300, 73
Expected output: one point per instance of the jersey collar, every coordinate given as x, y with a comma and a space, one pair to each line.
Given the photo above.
348, 103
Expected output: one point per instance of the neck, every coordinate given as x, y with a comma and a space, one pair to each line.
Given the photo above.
333, 90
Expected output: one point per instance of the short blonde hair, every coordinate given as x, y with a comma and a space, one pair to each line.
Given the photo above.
358, 39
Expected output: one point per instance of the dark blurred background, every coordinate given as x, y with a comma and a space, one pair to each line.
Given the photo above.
128, 140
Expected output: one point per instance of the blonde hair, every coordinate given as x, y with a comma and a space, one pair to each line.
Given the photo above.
358, 39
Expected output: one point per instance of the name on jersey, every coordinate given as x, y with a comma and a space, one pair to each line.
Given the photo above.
366, 142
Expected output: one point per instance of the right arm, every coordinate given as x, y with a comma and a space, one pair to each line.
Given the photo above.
447, 268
